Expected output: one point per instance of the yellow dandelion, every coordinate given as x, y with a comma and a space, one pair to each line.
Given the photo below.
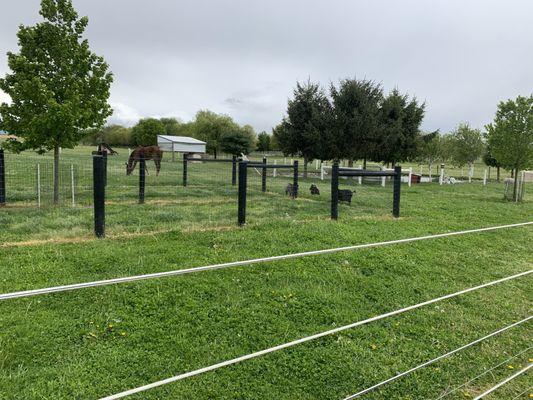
510, 367
373, 346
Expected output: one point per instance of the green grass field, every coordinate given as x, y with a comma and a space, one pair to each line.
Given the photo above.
95, 342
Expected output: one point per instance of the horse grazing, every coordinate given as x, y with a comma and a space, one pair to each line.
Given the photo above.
144, 153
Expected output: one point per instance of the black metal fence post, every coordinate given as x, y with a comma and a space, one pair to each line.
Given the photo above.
185, 161
234, 171
142, 179
295, 180
264, 176
2, 179
335, 191
99, 179
397, 186
243, 175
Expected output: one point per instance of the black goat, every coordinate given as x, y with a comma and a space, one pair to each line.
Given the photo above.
291, 190
314, 189
346, 195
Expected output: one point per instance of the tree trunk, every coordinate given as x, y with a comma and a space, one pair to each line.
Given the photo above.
364, 163
56, 174
515, 186
306, 161
215, 153
350, 163
498, 174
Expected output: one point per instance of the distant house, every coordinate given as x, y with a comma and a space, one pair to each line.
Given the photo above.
180, 144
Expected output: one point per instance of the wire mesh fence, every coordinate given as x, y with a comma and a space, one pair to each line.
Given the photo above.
30, 181
209, 198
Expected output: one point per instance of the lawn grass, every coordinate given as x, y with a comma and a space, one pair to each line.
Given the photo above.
94, 342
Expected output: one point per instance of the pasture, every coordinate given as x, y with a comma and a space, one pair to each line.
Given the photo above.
91, 343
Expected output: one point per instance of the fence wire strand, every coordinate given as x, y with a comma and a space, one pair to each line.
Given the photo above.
157, 275
434, 360
482, 374
309, 338
505, 381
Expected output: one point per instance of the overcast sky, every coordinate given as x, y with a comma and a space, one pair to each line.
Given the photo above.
243, 57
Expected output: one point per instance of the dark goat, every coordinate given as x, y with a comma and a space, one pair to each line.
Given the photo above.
314, 189
346, 195
290, 190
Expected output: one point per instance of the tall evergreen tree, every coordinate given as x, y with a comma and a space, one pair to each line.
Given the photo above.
399, 128
263, 142
59, 89
356, 107
305, 130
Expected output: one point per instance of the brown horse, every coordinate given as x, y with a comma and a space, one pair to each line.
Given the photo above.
144, 153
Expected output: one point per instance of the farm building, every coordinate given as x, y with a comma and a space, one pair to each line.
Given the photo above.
180, 144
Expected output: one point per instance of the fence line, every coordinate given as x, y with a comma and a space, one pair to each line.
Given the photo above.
156, 275
507, 380
307, 339
434, 360
522, 393
483, 374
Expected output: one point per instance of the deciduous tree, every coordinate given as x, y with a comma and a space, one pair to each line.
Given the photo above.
510, 135
59, 88
490, 161
467, 145
172, 126
210, 127
146, 131
430, 149
236, 142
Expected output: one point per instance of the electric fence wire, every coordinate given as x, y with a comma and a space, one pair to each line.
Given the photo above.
483, 374
312, 337
425, 364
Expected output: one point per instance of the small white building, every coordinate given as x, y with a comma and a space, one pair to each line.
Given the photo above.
180, 144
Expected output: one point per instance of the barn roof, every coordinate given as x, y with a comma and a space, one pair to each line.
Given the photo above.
180, 139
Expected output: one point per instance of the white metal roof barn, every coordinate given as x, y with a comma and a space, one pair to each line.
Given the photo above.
180, 144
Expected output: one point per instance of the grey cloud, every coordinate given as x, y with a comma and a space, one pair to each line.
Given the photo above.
243, 57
